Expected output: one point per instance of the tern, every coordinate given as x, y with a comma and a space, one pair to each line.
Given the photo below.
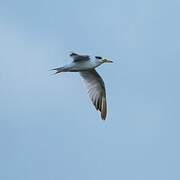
85, 65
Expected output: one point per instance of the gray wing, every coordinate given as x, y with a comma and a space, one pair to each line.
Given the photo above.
77, 57
96, 90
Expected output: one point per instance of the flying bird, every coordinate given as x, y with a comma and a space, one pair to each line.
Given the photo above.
85, 65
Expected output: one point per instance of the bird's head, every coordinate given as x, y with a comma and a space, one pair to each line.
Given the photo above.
103, 60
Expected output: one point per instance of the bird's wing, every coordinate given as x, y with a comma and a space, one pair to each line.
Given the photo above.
77, 57
96, 90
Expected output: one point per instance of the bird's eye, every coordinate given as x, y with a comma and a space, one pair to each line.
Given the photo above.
98, 57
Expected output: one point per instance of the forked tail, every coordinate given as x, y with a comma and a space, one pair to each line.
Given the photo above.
58, 70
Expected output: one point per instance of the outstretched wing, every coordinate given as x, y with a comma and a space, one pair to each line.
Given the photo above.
77, 57
96, 90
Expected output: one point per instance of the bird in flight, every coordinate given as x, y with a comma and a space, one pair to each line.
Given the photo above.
85, 65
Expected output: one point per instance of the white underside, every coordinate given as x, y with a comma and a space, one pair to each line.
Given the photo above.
82, 65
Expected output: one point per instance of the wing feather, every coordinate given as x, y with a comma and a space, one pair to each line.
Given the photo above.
96, 90
76, 57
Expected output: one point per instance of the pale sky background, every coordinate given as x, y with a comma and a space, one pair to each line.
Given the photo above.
49, 129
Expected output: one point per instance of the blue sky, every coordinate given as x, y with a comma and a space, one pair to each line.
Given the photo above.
48, 126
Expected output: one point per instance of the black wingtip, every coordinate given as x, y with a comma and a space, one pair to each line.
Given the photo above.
72, 54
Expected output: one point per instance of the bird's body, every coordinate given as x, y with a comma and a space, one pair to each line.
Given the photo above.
86, 65
82, 65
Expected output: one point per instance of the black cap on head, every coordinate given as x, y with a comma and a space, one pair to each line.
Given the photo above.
98, 57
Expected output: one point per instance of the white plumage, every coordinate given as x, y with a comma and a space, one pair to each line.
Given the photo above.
86, 65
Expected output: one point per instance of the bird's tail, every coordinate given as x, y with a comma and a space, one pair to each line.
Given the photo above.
58, 70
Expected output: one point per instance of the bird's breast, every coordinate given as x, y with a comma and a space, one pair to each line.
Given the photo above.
82, 66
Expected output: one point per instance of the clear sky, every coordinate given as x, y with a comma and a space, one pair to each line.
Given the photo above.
49, 129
